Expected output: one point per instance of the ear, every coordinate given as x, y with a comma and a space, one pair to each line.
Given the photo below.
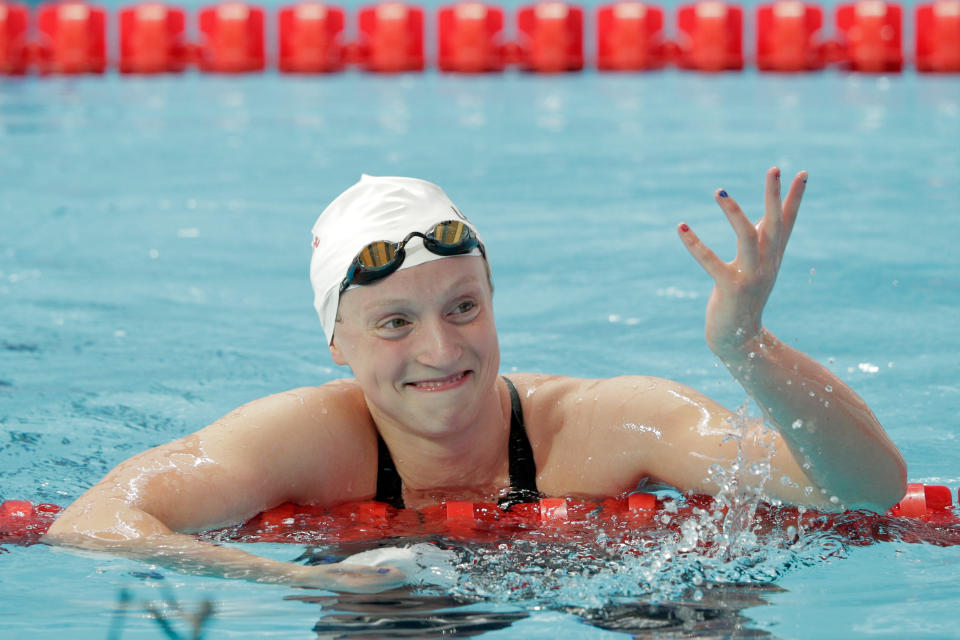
336, 354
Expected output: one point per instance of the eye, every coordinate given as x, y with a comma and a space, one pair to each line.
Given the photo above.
465, 311
465, 307
393, 327
393, 324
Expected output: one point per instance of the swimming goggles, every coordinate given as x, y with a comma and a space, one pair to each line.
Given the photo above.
381, 258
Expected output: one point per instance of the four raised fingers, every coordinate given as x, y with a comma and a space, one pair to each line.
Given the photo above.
776, 225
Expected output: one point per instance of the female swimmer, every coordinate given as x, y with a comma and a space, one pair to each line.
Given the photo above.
403, 290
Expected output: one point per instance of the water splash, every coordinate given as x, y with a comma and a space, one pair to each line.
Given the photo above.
697, 546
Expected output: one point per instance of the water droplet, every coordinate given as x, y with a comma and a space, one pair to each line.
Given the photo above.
797, 424
761, 468
828, 389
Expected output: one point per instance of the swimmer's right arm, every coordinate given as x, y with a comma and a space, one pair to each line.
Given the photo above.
151, 541
261, 455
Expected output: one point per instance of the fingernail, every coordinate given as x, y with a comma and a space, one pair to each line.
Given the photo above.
383, 570
777, 174
723, 194
684, 227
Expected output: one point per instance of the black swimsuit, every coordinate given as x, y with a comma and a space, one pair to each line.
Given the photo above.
523, 468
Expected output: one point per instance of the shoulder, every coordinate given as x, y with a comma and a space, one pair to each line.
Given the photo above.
303, 403
567, 396
581, 414
307, 445
304, 436
332, 415
597, 437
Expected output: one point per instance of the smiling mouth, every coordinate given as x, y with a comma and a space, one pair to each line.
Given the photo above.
441, 384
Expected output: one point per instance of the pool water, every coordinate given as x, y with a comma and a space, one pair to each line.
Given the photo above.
153, 276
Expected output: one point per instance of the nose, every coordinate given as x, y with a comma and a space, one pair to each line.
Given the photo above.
439, 344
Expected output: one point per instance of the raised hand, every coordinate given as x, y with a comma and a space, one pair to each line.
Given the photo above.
741, 287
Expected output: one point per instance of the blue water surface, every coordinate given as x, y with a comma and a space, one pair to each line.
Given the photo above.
154, 240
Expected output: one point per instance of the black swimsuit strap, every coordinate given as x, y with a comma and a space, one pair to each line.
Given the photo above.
389, 485
523, 467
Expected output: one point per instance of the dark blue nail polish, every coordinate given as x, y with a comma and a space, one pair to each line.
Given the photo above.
383, 570
723, 194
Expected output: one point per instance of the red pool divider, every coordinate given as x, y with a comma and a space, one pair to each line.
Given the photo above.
310, 38
924, 514
72, 38
550, 37
232, 35
870, 34
924, 501
14, 18
938, 36
630, 37
23, 522
788, 34
391, 38
711, 36
470, 38
152, 39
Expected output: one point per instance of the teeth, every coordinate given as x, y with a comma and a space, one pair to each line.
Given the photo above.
435, 384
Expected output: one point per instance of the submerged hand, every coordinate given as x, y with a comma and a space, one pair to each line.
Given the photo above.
351, 578
741, 287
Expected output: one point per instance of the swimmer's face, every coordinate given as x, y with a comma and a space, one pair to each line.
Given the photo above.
422, 343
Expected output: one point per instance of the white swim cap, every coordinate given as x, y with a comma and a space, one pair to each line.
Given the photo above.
373, 209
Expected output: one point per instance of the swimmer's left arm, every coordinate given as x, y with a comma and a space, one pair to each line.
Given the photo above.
827, 426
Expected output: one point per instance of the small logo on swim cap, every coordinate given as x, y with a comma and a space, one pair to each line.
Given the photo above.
316, 241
